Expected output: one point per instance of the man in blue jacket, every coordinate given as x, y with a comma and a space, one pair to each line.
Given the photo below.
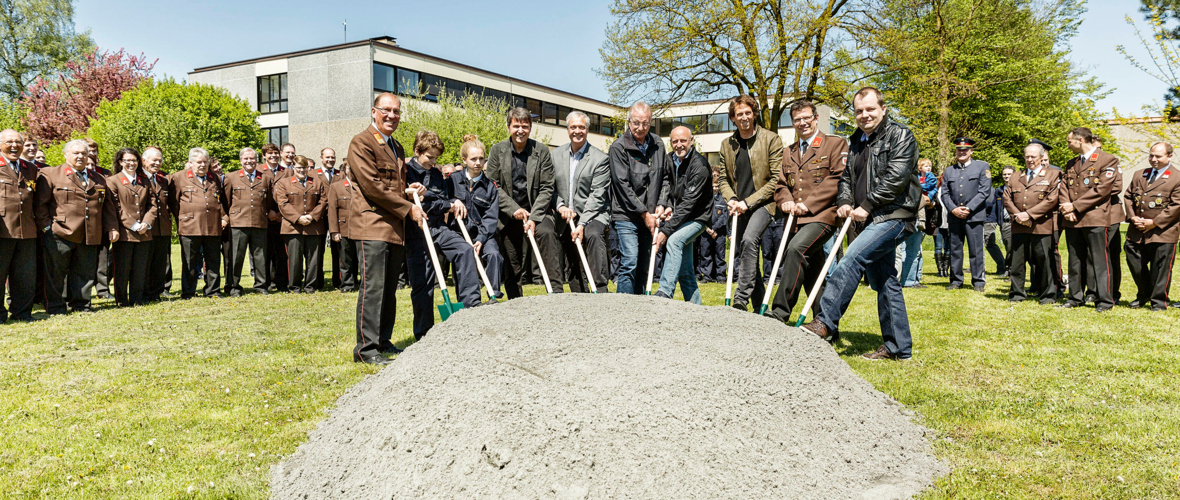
966, 190
711, 264
481, 200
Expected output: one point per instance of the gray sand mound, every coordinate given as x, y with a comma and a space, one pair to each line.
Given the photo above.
610, 396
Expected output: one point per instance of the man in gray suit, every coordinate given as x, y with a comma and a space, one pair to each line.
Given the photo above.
582, 172
967, 185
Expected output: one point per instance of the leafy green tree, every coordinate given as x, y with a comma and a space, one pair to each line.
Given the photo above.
990, 69
37, 38
10, 115
451, 119
177, 117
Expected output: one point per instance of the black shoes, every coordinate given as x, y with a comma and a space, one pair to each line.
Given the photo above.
979, 288
1069, 304
954, 286
375, 359
661, 294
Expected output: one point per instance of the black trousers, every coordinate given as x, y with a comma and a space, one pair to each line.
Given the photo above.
1150, 265
347, 261
802, 260
1036, 250
304, 253
612, 243
39, 287
241, 239
334, 247
1057, 268
423, 279
594, 244
277, 253
1114, 251
770, 243
102, 285
129, 264
71, 270
18, 268
1089, 243
711, 261
959, 229
519, 258
197, 252
159, 276
376, 305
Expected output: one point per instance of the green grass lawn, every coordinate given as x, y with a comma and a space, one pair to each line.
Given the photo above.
199, 398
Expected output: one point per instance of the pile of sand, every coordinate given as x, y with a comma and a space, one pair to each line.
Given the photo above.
610, 396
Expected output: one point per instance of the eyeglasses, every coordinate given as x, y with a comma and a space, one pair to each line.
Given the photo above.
805, 118
638, 124
389, 111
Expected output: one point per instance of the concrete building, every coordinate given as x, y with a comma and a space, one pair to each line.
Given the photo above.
321, 97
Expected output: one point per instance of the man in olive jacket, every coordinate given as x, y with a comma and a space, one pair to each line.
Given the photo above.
751, 160
523, 172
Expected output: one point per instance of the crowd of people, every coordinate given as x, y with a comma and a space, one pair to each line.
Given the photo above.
517, 211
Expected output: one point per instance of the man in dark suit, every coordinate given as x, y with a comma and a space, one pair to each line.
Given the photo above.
807, 187
1090, 179
377, 222
1153, 201
75, 214
582, 176
523, 171
966, 189
18, 232
1030, 199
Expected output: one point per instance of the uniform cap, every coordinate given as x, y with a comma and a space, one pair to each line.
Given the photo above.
1041, 143
964, 143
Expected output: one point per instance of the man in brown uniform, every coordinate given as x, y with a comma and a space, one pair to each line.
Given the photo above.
159, 276
340, 194
1153, 201
303, 200
74, 213
18, 233
329, 174
1086, 204
250, 202
276, 253
1031, 199
807, 187
199, 202
131, 194
376, 220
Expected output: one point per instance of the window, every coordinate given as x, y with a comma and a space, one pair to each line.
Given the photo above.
455, 89
784, 121
383, 80
592, 127
714, 158
494, 94
534, 107
272, 93
277, 135
408, 82
562, 113
666, 126
549, 113
608, 127
696, 124
719, 123
431, 87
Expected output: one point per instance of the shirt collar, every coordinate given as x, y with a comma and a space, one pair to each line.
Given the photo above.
1086, 154
378, 129
577, 155
472, 179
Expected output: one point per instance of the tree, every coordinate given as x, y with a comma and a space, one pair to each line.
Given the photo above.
451, 119
985, 68
666, 51
62, 106
177, 117
1162, 11
37, 38
1163, 64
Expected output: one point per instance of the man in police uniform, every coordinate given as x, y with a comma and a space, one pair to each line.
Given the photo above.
377, 222
1089, 179
966, 188
18, 233
1153, 201
250, 201
1031, 200
74, 212
807, 187
200, 205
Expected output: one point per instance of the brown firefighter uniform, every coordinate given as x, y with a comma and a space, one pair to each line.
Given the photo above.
74, 215
1089, 185
250, 203
1033, 243
340, 194
1151, 253
811, 178
159, 278
296, 199
18, 237
131, 255
199, 208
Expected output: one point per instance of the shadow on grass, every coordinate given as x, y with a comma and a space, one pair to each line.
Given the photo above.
857, 343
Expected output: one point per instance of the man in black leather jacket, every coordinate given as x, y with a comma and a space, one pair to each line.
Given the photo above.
879, 184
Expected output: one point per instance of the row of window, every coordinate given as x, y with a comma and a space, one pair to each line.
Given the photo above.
410, 83
277, 135
706, 124
272, 93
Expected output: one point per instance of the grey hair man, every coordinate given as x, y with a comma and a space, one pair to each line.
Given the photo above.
201, 208
638, 169
250, 193
581, 198
18, 232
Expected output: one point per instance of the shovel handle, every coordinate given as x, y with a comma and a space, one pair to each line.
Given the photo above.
823, 273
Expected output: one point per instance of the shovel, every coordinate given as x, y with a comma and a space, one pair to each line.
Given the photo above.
651, 262
585, 264
483, 274
823, 272
778, 259
729, 270
540, 262
447, 308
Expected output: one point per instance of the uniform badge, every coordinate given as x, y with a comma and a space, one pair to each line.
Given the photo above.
1159, 201
817, 141
1043, 183
1093, 156
1086, 181
1109, 174
31, 185
125, 181
1151, 205
1041, 196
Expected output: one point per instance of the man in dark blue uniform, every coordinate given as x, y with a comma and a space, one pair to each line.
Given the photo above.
711, 266
966, 189
480, 197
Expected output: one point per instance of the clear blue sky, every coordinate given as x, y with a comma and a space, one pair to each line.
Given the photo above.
553, 43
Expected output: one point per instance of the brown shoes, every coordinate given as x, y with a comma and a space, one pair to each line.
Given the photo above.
817, 328
882, 353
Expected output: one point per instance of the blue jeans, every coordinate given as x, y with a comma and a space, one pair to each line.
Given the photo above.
634, 248
828, 249
871, 255
678, 265
910, 257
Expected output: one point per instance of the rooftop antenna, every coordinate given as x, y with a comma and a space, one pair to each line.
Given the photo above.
346, 31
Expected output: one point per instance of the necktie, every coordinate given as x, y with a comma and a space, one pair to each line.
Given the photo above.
1153, 174
1030, 177
85, 178
803, 147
